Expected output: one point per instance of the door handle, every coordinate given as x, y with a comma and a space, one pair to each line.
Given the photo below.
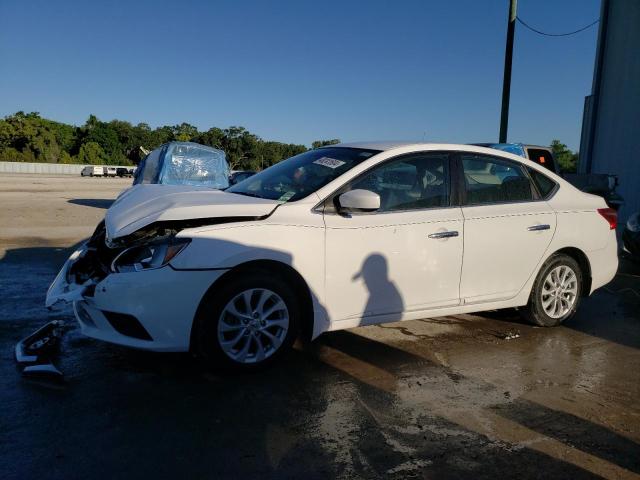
537, 228
447, 234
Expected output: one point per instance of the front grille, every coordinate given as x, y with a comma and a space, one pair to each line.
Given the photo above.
127, 325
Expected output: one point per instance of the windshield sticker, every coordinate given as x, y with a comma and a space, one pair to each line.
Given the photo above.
285, 197
329, 162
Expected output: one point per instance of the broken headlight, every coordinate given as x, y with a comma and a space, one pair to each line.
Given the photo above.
148, 256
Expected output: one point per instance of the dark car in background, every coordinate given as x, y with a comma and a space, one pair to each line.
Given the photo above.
124, 172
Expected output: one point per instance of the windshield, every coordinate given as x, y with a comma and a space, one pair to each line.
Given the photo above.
299, 176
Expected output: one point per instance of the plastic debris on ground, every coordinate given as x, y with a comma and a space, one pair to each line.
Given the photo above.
34, 353
508, 335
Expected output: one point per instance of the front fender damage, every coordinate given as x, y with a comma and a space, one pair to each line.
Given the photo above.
91, 263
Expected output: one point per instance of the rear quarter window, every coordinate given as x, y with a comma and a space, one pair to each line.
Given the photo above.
544, 184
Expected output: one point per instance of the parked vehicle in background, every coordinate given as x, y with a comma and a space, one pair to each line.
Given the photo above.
184, 163
603, 185
101, 171
92, 171
631, 236
240, 175
124, 172
335, 238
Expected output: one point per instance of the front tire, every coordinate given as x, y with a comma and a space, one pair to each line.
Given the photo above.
248, 321
556, 293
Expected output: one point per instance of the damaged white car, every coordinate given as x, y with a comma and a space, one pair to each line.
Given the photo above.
334, 238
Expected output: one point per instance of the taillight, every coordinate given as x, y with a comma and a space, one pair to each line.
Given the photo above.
610, 215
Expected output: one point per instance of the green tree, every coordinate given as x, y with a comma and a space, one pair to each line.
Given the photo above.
214, 137
324, 143
566, 159
184, 132
92, 153
106, 136
27, 137
159, 136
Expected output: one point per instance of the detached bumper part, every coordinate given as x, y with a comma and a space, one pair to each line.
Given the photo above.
44, 370
34, 351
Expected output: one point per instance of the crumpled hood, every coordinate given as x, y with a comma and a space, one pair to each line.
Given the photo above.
142, 205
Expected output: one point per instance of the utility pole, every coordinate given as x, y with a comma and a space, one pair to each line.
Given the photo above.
506, 82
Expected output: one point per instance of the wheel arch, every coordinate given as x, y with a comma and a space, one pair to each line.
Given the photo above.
585, 266
273, 267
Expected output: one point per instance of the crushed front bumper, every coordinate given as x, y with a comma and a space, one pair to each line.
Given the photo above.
62, 290
151, 309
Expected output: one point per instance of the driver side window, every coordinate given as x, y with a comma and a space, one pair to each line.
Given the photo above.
412, 182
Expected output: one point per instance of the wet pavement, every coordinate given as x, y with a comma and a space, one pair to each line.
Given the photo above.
468, 396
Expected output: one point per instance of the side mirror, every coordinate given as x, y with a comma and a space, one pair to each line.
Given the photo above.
363, 200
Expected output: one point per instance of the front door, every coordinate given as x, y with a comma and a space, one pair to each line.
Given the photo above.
404, 257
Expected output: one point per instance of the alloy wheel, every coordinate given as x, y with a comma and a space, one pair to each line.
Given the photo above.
253, 325
559, 291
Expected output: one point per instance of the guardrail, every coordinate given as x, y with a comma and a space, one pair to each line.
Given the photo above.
46, 168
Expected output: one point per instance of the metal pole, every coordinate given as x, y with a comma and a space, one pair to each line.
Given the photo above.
506, 82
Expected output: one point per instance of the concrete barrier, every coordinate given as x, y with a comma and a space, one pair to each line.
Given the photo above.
44, 168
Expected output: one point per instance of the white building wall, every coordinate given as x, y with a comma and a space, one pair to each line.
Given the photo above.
43, 168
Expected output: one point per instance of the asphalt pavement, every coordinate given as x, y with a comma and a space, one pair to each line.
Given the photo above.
466, 396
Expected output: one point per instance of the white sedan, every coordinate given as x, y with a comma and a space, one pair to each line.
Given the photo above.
334, 238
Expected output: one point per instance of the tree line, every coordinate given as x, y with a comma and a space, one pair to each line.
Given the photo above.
27, 137
566, 159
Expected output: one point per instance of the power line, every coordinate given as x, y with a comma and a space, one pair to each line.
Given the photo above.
556, 34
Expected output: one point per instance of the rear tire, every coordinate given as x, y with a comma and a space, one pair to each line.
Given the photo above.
247, 322
556, 293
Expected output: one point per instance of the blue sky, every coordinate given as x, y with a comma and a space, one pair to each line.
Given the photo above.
297, 71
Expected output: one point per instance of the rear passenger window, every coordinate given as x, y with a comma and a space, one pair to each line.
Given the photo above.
544, 184
488, 180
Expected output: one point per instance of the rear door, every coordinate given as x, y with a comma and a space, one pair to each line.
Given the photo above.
507, 228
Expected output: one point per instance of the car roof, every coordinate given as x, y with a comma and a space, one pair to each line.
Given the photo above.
385, 146
392, 144
407, 147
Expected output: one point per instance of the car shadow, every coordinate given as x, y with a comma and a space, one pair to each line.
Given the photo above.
611, 312
104, 203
